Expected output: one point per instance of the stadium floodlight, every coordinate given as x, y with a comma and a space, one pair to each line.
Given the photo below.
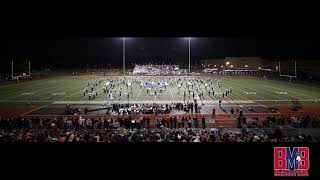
227, 63
189, 52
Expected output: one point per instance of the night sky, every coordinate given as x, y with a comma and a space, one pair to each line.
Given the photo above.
74, 51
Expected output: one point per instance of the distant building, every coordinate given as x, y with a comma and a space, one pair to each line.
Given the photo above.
234, 62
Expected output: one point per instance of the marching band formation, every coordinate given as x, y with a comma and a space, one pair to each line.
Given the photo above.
121, 88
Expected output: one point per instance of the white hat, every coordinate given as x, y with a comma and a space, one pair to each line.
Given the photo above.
213, 130
179, 137
196, 140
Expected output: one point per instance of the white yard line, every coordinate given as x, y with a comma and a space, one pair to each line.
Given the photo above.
171, 93
205, 101
72, 94
36, 109
251, 102
52, 90
258, 91
294, 92
139, 94
26, 83
78, 92
284, 90
63, 87
18, 101
34, 89
53, 87
247, 98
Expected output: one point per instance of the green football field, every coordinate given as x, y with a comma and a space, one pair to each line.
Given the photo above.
71, 89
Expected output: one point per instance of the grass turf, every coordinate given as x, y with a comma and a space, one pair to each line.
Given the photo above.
70, 88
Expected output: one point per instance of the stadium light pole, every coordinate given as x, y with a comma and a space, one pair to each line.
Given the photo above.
124, 55
295, 69
189, 57
279, 69
12, 69
29, 69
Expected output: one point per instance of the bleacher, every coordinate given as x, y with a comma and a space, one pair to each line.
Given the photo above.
172, 70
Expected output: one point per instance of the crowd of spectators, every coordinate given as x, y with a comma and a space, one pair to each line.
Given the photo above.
101, 123
122, 135
154, 108
171, 70
129, 130
273, 122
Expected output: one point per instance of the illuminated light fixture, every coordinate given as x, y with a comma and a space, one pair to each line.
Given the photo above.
259, 67
227, 63
221, 66
246, 66
215, 65
231, 66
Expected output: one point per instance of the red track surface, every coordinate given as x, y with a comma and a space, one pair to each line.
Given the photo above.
225, 120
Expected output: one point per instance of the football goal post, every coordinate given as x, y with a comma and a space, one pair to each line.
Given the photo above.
287, 72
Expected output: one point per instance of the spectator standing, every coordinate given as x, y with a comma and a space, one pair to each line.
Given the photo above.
179, 122
241, 113
203, 122
183, 120
175, 122
213, 113
189, 122
168, 123
239, 122
232, 111
171, 122
196, 122
163, 122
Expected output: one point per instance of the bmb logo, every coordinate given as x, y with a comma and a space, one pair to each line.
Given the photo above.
293, 162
